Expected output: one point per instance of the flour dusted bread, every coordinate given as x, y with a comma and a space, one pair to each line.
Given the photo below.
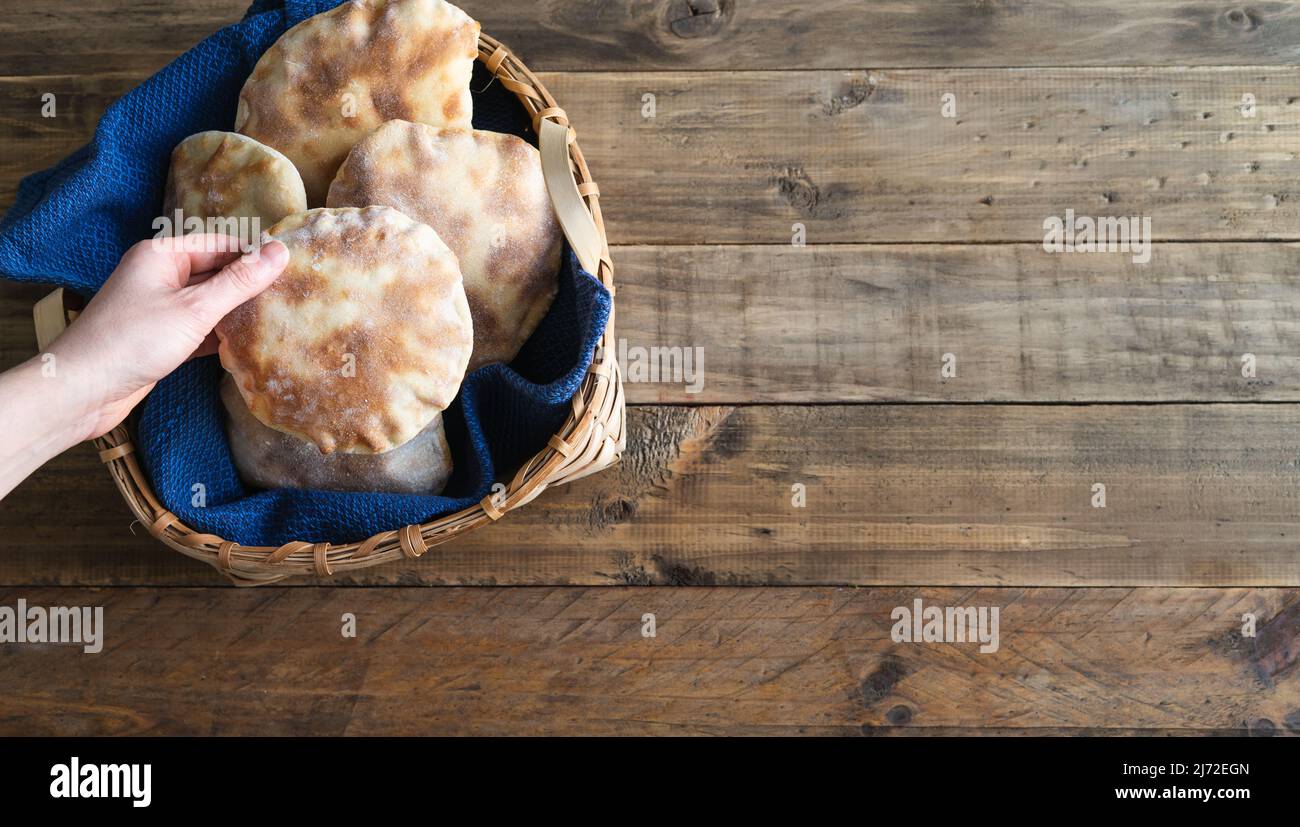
483, 192
267, 458
228, 175
335, 77
362, 339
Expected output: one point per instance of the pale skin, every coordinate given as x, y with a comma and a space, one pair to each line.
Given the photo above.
156, 311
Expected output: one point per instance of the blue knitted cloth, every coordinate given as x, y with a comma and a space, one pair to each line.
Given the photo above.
107, 194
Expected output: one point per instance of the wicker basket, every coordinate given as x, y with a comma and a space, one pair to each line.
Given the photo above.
591, 438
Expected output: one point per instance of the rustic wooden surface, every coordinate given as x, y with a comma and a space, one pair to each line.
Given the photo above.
822, 369
53, 36
558, 660
913, 494
866, 155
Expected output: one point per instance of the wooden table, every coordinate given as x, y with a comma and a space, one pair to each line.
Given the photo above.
823, 369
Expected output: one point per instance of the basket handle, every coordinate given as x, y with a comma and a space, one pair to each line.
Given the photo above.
52, 315
575, 218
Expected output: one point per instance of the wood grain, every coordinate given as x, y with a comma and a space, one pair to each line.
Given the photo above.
17, 330
33, 142
575, 35
851, 323
916, 495
866, 156
770, 114
722, 661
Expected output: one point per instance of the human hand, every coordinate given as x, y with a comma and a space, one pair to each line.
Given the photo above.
156, 310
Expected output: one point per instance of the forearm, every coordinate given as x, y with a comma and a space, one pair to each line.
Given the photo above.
44, 410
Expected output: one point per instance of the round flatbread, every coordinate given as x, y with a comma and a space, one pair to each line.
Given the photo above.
267, 458
228, 175
362, 339
335, 77
485, 195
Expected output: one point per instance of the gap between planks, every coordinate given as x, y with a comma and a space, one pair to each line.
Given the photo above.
577, 34
509, 661
866, 157
969, 496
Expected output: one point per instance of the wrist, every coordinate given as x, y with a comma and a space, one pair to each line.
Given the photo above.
43, 413
66, 398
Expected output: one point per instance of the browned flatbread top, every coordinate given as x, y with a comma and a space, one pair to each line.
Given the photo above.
228, 175
485, 195
362, 339
335, 77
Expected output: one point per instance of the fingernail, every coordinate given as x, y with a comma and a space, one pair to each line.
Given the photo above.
274, 254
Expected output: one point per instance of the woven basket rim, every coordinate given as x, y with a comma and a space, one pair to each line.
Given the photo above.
591, 438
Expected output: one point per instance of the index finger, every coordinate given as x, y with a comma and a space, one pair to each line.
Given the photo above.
197, 253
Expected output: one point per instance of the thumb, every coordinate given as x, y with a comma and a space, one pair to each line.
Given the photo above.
239, 281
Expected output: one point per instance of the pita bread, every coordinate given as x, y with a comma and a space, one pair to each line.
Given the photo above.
335, 77
362, 339
267, 458
228, 175
483, 192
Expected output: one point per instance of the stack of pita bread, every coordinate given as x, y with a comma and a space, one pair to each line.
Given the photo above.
420, 248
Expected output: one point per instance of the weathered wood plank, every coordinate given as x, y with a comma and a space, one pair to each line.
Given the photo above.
868, 157
847, 323
578, 35
17, 333
85, 36
930, 494
722, 661
873, 323
33, 142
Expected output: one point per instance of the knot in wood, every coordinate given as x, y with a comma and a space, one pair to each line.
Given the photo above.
698, 18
